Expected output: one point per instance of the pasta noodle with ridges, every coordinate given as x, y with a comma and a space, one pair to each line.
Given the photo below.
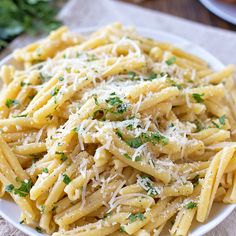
113, 133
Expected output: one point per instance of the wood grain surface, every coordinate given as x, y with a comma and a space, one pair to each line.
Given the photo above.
188, 9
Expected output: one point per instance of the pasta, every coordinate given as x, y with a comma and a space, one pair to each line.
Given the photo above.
115, 134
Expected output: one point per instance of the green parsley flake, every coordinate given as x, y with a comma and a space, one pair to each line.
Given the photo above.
222, 120
131, 75
95, 99
22, 115
63, 156
45, 170
39, 229
66, 179
122, 228
137, 216
154, 138
152, 76
9, 188
147, 184
195, 180
198, 97
191, 205
22, 191
171, 61
11, 102
137, 158
119, 133
54, 91
116, 105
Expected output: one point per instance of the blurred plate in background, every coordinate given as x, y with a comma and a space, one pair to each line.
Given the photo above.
224, 10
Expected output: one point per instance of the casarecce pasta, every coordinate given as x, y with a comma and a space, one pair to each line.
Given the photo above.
114, 133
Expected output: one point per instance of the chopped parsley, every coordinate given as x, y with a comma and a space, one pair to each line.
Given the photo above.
22, 115
119, 133
122, 228
191, 205
154, 138
199, 126
9, 188
129, 127
66, 179
22, 222
135, 142
137, 216
61, 78
146, 183
95, 97
195, 181
131, 75
42, 208
198, 97
171, 61
22, 191
22, 84
136, 158
116, 105
215, 124
38, 229
63, 156
45, 170
11, 102
222, 120
54, 91
152, 76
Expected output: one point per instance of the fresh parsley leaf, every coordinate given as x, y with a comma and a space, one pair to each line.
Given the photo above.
126, 155
22, 84
195, 181
63, 156
131, 75
95, 97
54, 92
137, 216
61, 78
191, 205
134, 142
152, 76
45, 170
198, 97
39, 229
11, 102
119, 133
24, 189
66, 179
147, 184
171, 61
42, 208
129, 127
9, 188
222, 120
22, 222
122, 228
21, 115
215, 124
29, 16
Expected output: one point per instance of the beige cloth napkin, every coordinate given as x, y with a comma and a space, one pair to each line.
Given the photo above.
84, 13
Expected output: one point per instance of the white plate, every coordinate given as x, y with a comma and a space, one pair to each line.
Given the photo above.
222, 9
11, 212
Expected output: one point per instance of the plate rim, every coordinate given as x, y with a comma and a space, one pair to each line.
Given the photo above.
228, 208
218, 11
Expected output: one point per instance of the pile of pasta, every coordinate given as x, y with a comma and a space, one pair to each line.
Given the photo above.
115, 134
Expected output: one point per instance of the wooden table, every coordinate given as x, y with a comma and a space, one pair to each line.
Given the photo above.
189, 9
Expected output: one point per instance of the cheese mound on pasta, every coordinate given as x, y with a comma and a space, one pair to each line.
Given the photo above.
115, 134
